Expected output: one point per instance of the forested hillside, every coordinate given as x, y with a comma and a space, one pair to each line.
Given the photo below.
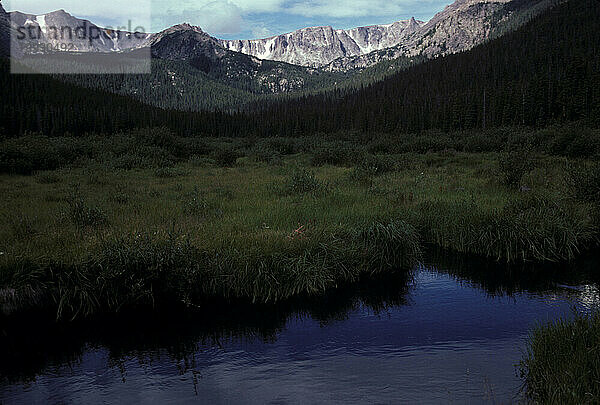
547, 71
34, 103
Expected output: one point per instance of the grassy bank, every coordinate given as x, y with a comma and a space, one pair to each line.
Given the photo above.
562, 364
131, 221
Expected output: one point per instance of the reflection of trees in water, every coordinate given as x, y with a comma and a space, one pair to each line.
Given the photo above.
29, 346
501, 279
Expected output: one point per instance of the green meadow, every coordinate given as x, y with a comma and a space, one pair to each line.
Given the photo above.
98, 225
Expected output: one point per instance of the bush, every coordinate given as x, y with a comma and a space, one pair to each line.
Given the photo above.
303, 181
29, 154
573, 140
266, 155
226, 157
201, 161
514, 165
48, 178
83, 215
282, 146
22, 226
377, 164
334, 154
168, 172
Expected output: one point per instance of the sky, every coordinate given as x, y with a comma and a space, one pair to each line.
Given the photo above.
237, 19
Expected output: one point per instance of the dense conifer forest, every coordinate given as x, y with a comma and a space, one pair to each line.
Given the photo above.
547, 71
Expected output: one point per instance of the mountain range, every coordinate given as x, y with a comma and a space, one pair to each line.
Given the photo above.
458, 27
197, 71
319, 46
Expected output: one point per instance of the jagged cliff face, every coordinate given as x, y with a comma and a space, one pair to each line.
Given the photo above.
458, 27
318, 46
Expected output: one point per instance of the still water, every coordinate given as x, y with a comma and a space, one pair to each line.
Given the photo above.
450, 332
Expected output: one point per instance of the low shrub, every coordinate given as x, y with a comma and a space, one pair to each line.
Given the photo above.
226, 157
201, 161
337, 154
376, 164
303, 181
28, 154
83, 215
22, 226
514, 164
168, 172
48, 178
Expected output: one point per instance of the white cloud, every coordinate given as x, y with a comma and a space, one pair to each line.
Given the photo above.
232, 16
215, 17
113, 9
362, 8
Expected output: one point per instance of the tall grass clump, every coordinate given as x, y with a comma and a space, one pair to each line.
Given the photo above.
127, 272
527, 229
371, 166
395, 244
562, 362
584, 182
514, 164
83, 215
303, 181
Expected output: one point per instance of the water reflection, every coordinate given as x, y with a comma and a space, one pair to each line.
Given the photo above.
452, 330
28, 346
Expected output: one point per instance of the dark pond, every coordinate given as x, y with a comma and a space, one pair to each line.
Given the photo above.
450, 332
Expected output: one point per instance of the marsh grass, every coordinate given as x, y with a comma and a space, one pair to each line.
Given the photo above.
514, 164
266, 232
22, 226
303, 181
82, 214
562, 362
48, 178
534, 229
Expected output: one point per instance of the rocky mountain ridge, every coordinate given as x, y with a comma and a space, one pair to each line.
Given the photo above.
319, 46
459, 27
